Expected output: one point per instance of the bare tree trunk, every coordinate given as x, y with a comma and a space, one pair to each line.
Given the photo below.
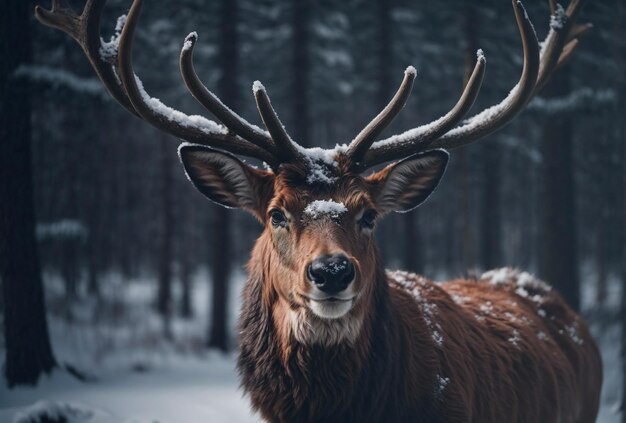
602, 262
70, 269
28, 350
221, 234
622, 135
490, 215
412, 257
471, 37
559, 264
405, 229
93, 285
621, 107
218, 332
384, 53
186, 308
301, 71
164, 293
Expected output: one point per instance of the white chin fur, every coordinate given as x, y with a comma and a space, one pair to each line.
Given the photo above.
330, 309
325, 324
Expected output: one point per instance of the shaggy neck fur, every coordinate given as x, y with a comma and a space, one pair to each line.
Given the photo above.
292, 376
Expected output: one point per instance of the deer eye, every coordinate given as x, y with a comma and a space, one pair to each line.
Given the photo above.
367, 220
278, 219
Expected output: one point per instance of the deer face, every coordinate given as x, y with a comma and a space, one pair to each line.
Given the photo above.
319, 255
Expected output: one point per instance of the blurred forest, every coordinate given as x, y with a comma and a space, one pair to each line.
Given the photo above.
545, 194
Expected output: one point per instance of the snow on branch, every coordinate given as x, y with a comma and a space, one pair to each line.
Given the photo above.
64, 228
58, 78
580, 99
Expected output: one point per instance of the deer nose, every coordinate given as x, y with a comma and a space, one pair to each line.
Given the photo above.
331, 273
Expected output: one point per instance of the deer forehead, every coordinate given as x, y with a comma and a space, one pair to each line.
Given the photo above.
335, 202
293, 190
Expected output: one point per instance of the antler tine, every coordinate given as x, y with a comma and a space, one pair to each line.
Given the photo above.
363, 141
579, 31
194, 129
562, 31
286, 147
552, 4
199, 91
495, 117
418, 138
85, 30
439, 134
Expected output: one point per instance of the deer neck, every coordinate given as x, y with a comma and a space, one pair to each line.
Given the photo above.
268, 333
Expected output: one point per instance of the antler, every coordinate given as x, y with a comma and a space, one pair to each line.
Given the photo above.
539, 66
238, 136
113, 65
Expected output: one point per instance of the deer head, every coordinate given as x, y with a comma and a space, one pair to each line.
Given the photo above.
318, 250
318, 207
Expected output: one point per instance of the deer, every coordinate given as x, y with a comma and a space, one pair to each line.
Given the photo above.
326, 332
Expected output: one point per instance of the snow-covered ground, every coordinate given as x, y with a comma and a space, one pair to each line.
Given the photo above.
189, 390
135, 375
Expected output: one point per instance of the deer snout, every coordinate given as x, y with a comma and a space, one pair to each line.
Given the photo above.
331, 273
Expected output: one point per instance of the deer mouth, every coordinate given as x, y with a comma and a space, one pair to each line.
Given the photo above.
331, 307
329, 299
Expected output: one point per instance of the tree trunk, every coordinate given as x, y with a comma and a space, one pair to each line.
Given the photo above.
602, 263
164, 293
621, 107
28, 350
186, 308
403, 225
464, 183
218, 332
412, 255
559, 261
221, 236
490, 215
301, 71
384, 53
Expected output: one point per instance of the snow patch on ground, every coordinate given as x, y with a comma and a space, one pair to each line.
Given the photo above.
55, 411
190, 391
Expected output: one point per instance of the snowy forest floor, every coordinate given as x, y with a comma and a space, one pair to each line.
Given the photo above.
135, 374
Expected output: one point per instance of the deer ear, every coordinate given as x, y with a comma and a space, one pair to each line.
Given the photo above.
405, 185
224, 179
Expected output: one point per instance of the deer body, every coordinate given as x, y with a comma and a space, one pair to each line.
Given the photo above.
328, 335
461, 351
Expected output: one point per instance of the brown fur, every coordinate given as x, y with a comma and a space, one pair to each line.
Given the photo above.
503, 362
503, 347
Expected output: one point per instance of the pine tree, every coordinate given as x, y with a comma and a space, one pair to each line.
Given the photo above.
28, 350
